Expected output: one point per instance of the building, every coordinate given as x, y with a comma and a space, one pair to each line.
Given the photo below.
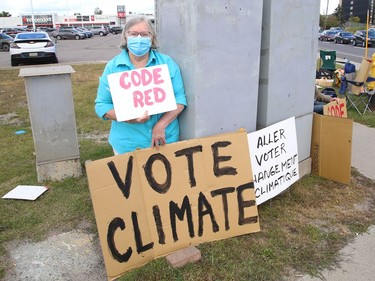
359, 8
56, 21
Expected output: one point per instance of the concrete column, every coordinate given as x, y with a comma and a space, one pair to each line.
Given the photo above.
217, 45
288, 64
52, 117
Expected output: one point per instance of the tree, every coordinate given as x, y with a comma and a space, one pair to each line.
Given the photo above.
328, 21
339, 13
354, 19
4, 14
97, 11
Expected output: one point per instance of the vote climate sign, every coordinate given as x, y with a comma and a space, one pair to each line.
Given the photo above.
149, 203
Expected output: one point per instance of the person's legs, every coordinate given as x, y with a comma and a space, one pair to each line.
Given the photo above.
318, 107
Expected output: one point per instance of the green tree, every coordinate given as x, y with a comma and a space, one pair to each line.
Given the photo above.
97, 11
339, 13
326, 22
354, 19
4, 14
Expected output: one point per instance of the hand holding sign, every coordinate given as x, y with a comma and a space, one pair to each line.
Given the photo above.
139, 90
336, 108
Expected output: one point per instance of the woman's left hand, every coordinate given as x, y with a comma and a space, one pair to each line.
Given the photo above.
158, 136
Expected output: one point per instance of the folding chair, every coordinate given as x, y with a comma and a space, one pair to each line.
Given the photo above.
356, 90
328, 60
327, 65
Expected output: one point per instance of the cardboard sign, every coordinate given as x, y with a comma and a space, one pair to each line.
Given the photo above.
331, 148
274, 159
362, 75
144, 89
149, 203
336, 108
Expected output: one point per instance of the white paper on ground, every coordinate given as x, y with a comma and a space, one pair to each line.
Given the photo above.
25, 192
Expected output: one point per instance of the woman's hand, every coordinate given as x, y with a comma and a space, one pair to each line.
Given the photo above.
111, 115
158, 136
144, 118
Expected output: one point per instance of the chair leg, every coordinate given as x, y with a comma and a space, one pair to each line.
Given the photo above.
367, 106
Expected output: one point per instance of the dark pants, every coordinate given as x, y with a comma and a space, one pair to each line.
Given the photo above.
318, 106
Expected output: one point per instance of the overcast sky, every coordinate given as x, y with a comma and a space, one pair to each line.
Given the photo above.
331, 7
69, 7
87, 7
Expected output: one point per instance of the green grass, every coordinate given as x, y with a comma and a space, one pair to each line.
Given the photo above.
301, 230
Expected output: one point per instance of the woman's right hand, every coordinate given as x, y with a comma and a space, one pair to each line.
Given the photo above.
111, 115
144, 118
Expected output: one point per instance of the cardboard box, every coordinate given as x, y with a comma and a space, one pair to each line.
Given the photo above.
324, 82
331, 148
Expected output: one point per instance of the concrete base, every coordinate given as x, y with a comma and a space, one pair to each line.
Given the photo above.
58, 171
184, 256
304, 167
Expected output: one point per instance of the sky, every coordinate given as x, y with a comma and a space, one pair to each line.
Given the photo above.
87, 7
69, 7
332, 5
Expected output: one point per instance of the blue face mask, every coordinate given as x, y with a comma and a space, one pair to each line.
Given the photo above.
139, 46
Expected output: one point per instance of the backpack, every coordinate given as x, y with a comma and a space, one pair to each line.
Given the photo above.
329, 92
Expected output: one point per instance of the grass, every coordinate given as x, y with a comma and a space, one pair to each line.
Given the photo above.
301, 230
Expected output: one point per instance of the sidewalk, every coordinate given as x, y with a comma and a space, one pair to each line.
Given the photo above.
358, 257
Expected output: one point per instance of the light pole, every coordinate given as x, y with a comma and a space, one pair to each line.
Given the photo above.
32, 15
325, 21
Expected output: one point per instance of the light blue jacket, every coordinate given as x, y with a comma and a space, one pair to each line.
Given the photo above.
123, 136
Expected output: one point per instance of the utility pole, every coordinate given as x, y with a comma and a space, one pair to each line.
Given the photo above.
325, 21
32, 15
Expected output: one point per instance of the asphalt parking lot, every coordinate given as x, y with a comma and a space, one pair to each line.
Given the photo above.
95, 49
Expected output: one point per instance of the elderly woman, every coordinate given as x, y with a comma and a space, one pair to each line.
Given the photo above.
138, 44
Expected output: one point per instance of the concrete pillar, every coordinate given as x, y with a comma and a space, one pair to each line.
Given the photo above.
288, 64
217, 46
52, 117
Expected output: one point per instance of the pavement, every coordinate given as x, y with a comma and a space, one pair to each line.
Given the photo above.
75, 255
358, 257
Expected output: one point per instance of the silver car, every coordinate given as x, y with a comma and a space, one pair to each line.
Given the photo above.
99, 30
69, 33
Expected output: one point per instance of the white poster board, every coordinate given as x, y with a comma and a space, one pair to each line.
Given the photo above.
144, 89
274, 159
25, 192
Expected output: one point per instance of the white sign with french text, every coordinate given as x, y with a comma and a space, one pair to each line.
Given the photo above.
274, 159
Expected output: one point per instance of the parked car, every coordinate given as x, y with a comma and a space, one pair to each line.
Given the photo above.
115, 29
10, 31
32, 47
344, 37
360, 38
5, 41
51, 31
99, 30
87, 32
327, 35
335, 28
69, 33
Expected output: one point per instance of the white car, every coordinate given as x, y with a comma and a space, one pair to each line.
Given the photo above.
32, 47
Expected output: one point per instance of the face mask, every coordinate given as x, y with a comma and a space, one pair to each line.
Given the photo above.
139, 46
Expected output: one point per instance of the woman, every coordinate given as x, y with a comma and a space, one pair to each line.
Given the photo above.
138, 44
320, 100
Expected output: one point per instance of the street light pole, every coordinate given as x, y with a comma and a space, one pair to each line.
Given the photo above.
325, 22
32, 15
